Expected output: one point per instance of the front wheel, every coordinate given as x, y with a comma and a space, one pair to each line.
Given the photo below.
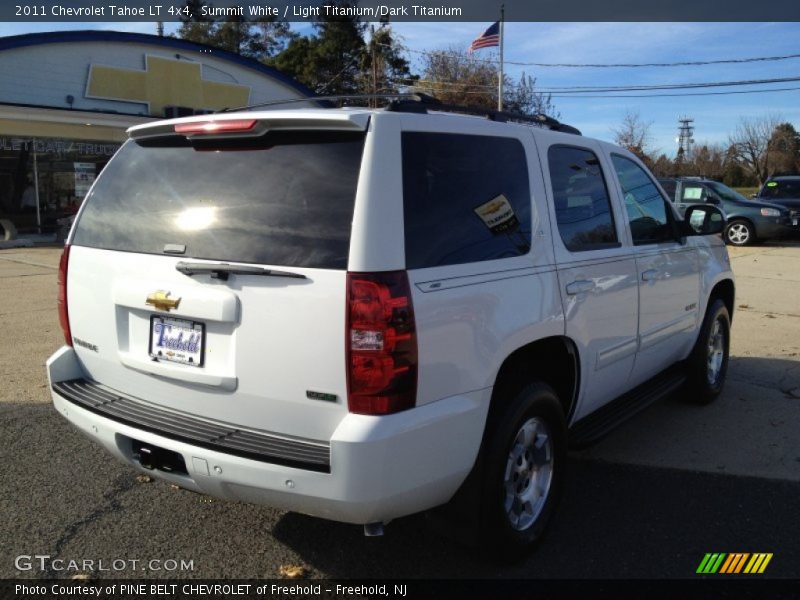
525, 460
740, 233
708, 363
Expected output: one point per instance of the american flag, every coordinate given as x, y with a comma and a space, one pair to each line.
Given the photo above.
490, 37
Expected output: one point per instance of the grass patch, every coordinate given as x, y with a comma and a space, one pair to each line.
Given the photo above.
746, 191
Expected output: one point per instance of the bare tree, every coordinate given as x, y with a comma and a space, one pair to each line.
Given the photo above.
633, 134
455, 77
522, 97
752, 144
705, 160
663, 166
784, 150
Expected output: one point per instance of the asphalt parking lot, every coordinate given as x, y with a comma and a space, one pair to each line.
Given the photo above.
649, 500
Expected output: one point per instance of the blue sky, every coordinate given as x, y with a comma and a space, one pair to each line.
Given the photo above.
715, 116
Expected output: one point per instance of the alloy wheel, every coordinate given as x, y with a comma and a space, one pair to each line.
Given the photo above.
528, 474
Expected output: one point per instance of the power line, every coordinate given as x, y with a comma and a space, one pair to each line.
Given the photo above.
728, 93
614, 65
667, 86
633, 88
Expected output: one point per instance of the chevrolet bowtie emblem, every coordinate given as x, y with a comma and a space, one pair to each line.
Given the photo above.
162, 301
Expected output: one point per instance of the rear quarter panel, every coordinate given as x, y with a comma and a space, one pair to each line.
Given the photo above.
470, 317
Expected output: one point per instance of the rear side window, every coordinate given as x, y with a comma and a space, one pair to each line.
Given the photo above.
282, 199
778, 190
466, 199
694, 193
580, 196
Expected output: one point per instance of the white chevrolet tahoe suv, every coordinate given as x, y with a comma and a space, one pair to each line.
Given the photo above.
361, 314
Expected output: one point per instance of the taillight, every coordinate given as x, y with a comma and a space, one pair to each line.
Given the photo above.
381, 343
63, 311
212, 127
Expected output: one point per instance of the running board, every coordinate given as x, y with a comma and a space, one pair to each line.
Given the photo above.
591, 428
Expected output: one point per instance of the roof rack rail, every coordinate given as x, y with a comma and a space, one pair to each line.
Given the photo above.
421, 103
325, 101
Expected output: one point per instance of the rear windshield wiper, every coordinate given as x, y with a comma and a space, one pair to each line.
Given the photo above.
223, 270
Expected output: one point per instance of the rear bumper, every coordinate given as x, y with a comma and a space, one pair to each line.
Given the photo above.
380, 468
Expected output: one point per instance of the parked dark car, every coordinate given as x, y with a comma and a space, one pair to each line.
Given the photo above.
785, 191
749, 221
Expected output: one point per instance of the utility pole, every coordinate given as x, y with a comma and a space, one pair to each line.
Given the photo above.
160, 29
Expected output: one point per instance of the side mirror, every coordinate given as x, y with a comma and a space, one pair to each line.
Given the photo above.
754, 195
703, 219
713, 200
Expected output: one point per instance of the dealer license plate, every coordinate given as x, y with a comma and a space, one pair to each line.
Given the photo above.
177, 340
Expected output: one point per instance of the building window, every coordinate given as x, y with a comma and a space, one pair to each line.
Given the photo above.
48, 174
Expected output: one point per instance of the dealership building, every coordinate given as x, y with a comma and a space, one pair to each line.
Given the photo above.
66, 99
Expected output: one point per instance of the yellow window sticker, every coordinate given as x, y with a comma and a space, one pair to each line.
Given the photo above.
498, 215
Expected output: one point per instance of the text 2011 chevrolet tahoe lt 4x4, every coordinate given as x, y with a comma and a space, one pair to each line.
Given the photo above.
361, 314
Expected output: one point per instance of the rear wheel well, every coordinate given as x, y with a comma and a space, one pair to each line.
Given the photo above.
725, 291
553, 361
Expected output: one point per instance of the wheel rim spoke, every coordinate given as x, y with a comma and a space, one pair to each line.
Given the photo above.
715, 353
528, 474
738, 234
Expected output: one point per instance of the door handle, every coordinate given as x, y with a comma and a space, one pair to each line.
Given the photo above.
580, 287
650, 275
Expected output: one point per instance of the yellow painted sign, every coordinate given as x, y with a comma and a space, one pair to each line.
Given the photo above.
164, 82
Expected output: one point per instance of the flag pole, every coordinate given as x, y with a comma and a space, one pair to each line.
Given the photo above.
500, 75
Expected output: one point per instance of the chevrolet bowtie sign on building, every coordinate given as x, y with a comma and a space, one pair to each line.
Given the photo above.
67, 97
164, 82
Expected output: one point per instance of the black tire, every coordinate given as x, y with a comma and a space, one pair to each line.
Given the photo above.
537, 406
740, 233
707, 373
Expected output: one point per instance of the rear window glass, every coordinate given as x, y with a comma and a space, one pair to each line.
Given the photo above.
779, 190
466, 198
285, 198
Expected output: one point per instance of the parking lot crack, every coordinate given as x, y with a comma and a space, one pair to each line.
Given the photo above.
110, 504
29, 262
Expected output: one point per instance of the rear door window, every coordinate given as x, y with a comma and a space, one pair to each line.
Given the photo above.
285, 198
694, 194
466, 198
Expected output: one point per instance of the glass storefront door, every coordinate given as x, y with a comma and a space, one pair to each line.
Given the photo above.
43, 180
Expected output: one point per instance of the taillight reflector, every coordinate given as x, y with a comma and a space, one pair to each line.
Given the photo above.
381, 343
211, 127
63, 310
